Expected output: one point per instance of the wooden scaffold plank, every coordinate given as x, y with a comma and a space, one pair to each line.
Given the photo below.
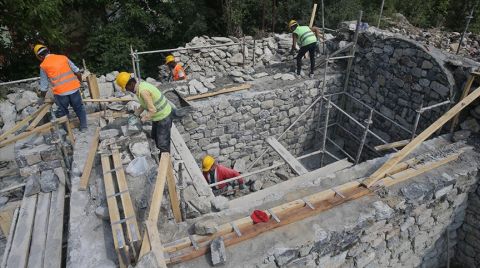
40, 228
39, 117
172, 192
221, 91
22, 123
87, 169
8, 246
287, 156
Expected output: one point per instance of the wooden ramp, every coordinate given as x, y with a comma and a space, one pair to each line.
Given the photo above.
35, 238
287, 156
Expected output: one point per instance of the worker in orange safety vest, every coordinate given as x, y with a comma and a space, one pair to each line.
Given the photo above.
178, 73
59, 72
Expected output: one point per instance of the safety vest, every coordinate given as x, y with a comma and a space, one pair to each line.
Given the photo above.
60, 74
177, 71
305, 36
159, 101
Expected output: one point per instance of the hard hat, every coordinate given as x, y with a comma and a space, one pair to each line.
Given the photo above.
39, 49
122, 79
291, 23
169, 59
207, 163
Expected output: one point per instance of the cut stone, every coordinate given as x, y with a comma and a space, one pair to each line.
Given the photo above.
108, 134
220, 203
205, 227
217, 251
32, 186
140, 149
48, 181
382, 211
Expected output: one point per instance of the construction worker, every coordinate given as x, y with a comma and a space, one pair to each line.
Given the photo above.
178, 73
65, 79
158, 108
306, 38
214, 172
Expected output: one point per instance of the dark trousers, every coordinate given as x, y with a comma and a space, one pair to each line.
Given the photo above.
75, 100
161, 133
311, 53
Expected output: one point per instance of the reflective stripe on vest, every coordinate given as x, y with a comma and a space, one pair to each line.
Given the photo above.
159, 101
60, 74
305, 36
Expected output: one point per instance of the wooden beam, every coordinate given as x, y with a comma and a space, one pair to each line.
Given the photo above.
399, 156
383, 147
287, 156
466, 89
10, 235
22, 123
70, 134
6, 216
156, 200
312, 18
156, 245
87, 169
93, 86
110, 100
40, 227
289, 213
39, 117
172, 192
221, 91
33, 131
23, 233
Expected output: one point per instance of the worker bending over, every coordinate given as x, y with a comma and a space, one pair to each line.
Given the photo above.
213, 173
65, 79
178, 73
306, 38
157, 106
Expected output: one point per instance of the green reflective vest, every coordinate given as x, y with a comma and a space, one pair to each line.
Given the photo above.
305, 36
159, 101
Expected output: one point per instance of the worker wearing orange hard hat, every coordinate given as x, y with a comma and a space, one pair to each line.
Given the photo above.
61, 74
178, 73
306, 37
159, 110
214, 172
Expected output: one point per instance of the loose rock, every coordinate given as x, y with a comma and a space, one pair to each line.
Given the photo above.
217, 251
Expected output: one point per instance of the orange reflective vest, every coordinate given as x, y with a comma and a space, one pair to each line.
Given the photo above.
179, 73
60, 74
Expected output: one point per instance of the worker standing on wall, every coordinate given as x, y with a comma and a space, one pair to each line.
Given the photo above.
214, 172
65, 79
306, 38
158, 108
178, 73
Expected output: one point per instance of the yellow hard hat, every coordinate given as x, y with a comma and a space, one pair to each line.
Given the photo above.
291, 23
39, 48
122, 79
169, 59
207, 163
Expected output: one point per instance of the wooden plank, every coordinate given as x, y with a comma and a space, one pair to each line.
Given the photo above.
87, 169
294, 211
383, 147
23, 233
399, 156
109, 100
172, 192
128, 210
155, 242
39, 117
466, 90
93, 86
40, 228
156, 200
53, 251
36, 130
287, 156
221, 91
113, 211
71, 137
312, 18
8, 246
22, 123
6, 216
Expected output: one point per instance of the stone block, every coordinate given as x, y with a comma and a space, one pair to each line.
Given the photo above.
382, 211
220, 203
48, 181
217, 251
32, 185
205, 227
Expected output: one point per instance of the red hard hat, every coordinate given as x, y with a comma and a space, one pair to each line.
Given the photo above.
259, 216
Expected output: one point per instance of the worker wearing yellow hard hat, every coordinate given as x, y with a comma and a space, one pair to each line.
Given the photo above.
152, 100
306, 37
214, 173
176, 69
60, 74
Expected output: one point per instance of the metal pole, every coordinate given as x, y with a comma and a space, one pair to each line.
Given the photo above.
354, 47
133, 63
469, 18
358, 139
20, 81
322, 93
181, 182
436, 105
325, 129
254, 47
341, 149
187, 48
137, 61
243, 49
368, 122
417, 119
323, 27
381, 12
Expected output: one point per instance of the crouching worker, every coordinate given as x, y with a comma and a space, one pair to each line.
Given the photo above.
213, 173
157, 106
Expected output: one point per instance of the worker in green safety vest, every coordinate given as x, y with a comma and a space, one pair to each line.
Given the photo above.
306, 38
159, 110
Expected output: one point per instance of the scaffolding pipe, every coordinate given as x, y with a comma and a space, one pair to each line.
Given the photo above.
324, 140
341, 149
368, 122
186, 48
341, 57
323, 27
137, 62
381, 13
354, 47
435, 105
469, 18
20, 81
357, 139
133, 63
417, 120
254, 47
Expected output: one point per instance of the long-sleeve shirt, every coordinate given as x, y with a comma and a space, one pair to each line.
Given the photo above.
221, 173
45, 82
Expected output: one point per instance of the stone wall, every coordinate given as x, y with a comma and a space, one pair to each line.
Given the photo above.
234, 126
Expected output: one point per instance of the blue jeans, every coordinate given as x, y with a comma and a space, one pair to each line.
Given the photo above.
75, 100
